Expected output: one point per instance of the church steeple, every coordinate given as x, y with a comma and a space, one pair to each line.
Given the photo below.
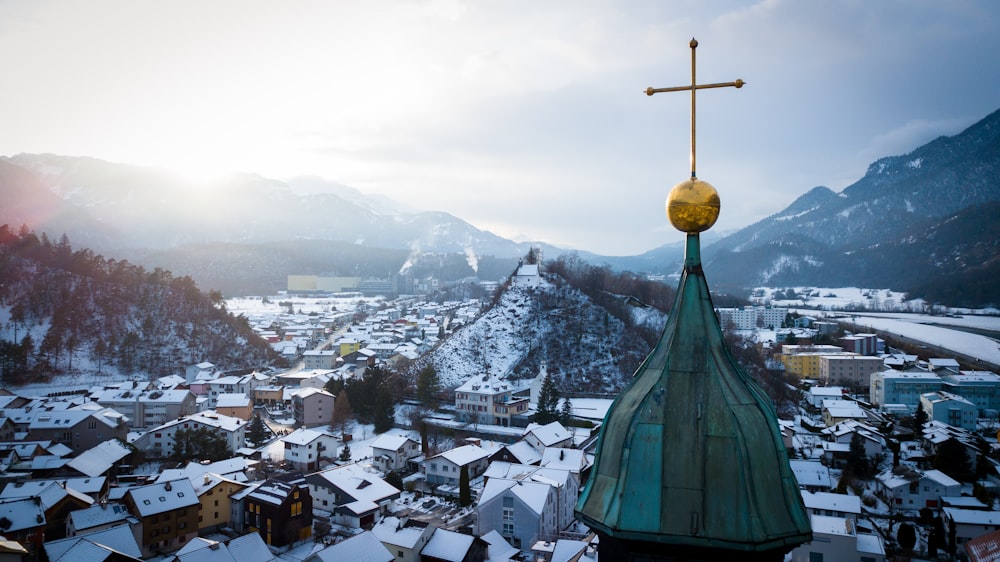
690, 462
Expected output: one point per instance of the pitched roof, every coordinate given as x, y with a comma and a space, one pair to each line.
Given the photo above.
99, 459
98, 545
161, 497
448, 545
356, 482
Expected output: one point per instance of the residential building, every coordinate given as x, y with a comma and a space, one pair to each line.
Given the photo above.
522, 511
234, 405
837, 539
908, 488
404, 539
312, 407
552, 434
838, 411
148, 407
390, 452
118, 543
950, 408
803, 360
982, 388
214, 492
160, 441
862, 344
902, 387
969, 524
77, 429
832, 505
306, 448
565, 484
752, 317
363, 547
452, 546
851, 371
101, 516
488, 400
23, 520
168, 512
280, 511
319, 358
353, 495
445, 468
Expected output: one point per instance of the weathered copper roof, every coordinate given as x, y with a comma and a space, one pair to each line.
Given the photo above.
690, 453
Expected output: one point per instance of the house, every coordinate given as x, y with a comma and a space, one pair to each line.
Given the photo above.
363, 547
312, 407
168, 513
527, 275
268, 396
113, 544
23, 520
837, 538
985, 548
451, 546
214, 492
353, 495
871, 439
234, 405
812, 475
231, 384
390, 452
57, 502
99, 517
574, 461
247, 548
203, 370
306, 448
523, 511
77, 429
838, 411
832, 505
281, 511
549, 435
969, 524
95, 488
404, 539
563, 502
519, 452
445, 468
100, 459
902, 387
488, 400
908, 488
849, 370
160, 441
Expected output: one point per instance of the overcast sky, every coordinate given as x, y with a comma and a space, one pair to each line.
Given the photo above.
525, 118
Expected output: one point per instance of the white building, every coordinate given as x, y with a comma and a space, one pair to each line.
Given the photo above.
445, 468
950, 408
160, 441
837, 539
488, 400
391, 451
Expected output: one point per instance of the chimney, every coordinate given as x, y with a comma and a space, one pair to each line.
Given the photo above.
167, 486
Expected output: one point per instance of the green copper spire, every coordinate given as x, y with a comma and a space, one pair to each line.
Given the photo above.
690, 461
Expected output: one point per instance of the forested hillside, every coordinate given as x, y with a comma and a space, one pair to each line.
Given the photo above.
66, 311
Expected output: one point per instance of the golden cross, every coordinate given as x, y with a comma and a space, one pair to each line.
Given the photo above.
693, 87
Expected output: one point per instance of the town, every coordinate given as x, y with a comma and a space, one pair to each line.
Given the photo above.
893, 452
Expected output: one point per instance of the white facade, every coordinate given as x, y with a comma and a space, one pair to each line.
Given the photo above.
836, 539
950, 408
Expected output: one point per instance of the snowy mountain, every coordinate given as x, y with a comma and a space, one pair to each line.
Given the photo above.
582, 344
912, 222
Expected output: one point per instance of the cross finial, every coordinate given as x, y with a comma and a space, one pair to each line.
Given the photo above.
694, 87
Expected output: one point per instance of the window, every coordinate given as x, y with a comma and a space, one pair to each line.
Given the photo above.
296, 509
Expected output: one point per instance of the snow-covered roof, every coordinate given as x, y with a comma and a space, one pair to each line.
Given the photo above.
524, 452
499, 549
973, 516
97, 515
532, 494
358, 483
549, 434
390, 530
232, 400
303, 436
161, 497
363, 547
448, 545
208, 418
869, 543
461, 456
94, 546
99, 459
810, 473
832, 502
827, 525
18, 514
273, 491
390, 441
941, 478
485, 384
573, 460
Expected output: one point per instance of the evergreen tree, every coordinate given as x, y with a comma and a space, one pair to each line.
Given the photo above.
858, 464
919, 419
464, 488
384, 411
566, 413
257, 432
952, 459
428, 386
906, 536
200, 443
345, 453
394, 479
342, 411
547, 409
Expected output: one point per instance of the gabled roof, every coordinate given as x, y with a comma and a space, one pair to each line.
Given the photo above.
354, 481
466, 454
97, 515
532, 494
363, 547
549, 434
448, 545
162, 497
390, 441
18, 514
99, 459
99, 545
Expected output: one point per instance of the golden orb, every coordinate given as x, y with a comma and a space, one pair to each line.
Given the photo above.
693, 206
